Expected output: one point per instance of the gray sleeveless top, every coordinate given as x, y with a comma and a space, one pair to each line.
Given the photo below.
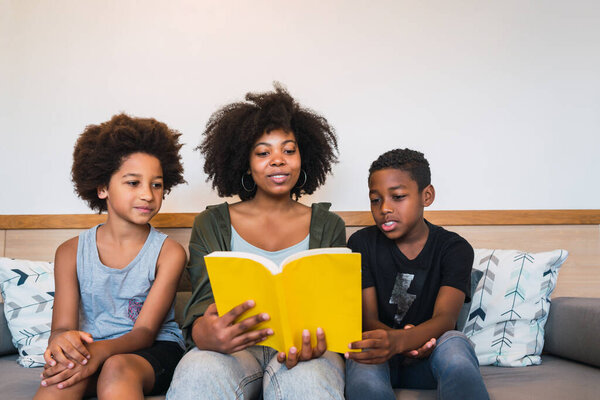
111, 299
238, 243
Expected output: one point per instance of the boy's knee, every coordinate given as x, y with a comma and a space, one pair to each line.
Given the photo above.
454, 351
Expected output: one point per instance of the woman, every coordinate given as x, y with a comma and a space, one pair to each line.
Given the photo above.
268, 151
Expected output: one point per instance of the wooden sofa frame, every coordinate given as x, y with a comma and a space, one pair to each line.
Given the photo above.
36, 237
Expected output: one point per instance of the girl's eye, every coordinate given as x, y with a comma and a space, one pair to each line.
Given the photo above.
289, 151
374, 201
262, 153
132, 183
157, 185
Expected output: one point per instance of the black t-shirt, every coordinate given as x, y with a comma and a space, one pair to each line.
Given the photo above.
407, 289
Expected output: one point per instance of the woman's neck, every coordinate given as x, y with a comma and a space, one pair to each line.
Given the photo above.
264, 203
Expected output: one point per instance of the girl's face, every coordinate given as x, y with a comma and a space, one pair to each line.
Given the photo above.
135, 191
275, 163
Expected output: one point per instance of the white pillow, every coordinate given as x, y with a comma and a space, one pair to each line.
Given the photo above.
510, 306
28, 291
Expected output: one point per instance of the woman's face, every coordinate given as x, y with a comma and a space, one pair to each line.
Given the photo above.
275, 162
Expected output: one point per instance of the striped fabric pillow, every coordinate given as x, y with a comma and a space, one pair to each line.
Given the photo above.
27, 288
510, 305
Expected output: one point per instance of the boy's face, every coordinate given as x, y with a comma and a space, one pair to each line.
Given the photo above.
135, 190
397, 204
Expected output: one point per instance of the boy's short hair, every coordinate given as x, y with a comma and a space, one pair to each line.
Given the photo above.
408, 160
232, 131
101, 149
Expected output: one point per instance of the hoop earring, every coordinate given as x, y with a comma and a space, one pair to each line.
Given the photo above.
304, 182
244, 186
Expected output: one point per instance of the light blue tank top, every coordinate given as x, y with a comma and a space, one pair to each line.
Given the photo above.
239, 244
111, 299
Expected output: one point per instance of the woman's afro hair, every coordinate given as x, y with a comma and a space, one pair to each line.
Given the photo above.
408, 160
101, 149
232, 131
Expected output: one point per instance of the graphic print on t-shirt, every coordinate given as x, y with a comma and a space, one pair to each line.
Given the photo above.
401, 297
134, 309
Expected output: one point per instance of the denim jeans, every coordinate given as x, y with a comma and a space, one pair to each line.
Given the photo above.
246, 374
452, 367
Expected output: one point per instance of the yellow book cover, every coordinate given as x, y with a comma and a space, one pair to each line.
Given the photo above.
310, 289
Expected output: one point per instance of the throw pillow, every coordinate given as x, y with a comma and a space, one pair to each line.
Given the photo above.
510, 305
28, 291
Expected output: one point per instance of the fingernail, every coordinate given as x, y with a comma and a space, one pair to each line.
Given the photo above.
88, 356
84, 362
346, 355
265, 316
71, 365
293, 350
60, 385
305, 333
270, 332
250, 303
52, 362
319, 331
44, 383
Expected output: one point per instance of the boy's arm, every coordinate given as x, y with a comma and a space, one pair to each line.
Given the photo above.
383, 342
170, 264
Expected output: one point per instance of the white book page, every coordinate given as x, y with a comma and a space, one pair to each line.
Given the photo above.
314, 252
270, 265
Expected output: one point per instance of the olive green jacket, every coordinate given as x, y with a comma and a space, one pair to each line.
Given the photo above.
212, 232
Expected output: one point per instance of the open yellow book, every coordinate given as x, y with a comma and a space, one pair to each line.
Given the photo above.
310, 289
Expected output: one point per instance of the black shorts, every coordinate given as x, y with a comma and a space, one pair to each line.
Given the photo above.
163, 356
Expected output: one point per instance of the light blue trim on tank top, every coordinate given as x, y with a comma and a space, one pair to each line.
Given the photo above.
239, 244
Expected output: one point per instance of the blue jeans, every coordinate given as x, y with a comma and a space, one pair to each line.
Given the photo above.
244, 375
452, 367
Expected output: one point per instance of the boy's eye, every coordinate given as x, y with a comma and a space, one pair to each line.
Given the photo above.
132, 183
157, 185
375, 200
399, 196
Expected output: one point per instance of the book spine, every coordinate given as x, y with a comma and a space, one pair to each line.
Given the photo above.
288, 339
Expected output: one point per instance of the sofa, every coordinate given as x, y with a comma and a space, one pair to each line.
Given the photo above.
570, 366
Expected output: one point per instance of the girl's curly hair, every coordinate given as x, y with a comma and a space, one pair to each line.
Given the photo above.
232, 131
101, 149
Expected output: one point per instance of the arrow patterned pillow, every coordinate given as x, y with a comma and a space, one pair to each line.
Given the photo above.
510, 305
27, 288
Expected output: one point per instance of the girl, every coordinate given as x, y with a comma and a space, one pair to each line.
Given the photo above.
268, 151
113, 332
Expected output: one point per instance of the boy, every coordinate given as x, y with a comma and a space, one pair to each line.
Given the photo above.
415, 275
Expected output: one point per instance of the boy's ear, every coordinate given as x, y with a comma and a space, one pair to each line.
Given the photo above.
428, 195
102, 192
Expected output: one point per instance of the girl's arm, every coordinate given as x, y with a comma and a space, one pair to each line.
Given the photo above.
384, 342
170, 264
65, 344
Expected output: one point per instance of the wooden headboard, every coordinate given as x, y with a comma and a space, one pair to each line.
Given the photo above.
35, 237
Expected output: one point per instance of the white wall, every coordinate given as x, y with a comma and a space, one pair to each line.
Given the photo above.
502, 96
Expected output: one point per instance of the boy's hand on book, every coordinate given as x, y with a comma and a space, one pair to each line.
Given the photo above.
423, 351
68, 348
211, 332
307, 352
377, 347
